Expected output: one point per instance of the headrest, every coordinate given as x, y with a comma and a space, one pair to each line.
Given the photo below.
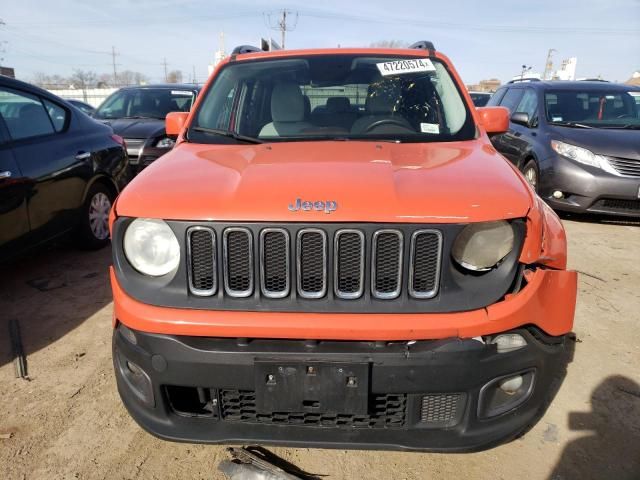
287, 103
382, 98
338, 105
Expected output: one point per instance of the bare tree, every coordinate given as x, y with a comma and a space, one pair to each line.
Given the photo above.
174, 76
83, 79
128, 77
389, 44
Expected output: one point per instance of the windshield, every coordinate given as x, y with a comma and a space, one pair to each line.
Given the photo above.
334, 97
480, 99
145, 103
604, 108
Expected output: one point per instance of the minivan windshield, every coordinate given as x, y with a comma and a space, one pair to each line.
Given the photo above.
336, 97
605, 108
145, 102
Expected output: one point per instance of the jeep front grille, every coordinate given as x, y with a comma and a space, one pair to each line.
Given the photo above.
313, 263
238, 262
201, 248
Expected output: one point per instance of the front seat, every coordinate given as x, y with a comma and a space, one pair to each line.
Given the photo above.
287, 111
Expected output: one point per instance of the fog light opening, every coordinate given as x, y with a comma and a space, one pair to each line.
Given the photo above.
511, 385
557, 194
505, 393
136, 379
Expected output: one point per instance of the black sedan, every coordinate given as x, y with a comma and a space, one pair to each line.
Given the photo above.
138, 115
60, 171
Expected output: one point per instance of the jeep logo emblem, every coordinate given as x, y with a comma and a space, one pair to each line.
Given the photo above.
327, 206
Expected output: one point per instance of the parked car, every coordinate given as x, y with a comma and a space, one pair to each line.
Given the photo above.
85, 107
386, 280
577, 143
137, 114
59, 170
480, 99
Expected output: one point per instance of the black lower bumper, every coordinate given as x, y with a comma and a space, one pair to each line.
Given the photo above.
588, 189
425, 395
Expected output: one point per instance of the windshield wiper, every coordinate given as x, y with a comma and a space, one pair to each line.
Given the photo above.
139, 117
228, 134
628, 126
570, 124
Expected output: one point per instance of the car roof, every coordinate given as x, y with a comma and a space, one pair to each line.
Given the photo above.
573, 85
168, 86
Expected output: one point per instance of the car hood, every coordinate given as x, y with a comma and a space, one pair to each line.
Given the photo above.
136, 128
368, 181
611, 142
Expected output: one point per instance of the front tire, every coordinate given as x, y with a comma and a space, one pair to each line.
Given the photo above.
93, 230
532, 174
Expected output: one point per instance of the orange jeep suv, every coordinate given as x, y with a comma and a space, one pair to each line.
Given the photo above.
334, 255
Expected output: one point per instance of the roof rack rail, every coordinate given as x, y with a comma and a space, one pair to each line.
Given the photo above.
245, 49
524, 79
424, 45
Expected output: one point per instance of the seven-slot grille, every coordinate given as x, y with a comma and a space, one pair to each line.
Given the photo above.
300, 260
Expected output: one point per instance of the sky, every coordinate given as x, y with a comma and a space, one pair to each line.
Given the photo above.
484, 39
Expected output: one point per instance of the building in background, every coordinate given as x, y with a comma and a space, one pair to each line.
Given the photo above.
490, 85
635, 79
567, 70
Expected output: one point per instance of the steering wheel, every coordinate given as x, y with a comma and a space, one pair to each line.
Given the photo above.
388, 121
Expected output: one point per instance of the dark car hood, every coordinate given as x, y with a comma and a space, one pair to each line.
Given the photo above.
136, 127
602, 141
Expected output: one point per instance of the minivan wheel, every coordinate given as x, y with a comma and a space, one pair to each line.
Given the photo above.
531, 173
93, 231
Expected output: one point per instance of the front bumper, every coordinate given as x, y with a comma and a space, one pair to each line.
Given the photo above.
417, 396
588, 189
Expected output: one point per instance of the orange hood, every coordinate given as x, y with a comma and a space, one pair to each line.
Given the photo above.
368, 181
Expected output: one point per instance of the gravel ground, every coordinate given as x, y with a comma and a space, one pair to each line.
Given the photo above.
67, 422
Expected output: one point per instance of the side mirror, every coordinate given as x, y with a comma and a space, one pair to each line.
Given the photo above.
494, 119
174, 122
521, 118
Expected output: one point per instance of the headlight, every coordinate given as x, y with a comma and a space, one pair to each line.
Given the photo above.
165, 142
579, 154
151, 247
480, 246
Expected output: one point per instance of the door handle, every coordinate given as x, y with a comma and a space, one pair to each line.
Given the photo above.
5, 174
83, 155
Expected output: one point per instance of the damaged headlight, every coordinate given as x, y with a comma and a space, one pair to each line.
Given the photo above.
151, 247
480, 246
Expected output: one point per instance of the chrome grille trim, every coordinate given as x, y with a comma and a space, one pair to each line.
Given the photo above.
301, 291
198, 291
263, 287
336, 265
374, 249
225, 252
412, 264
626, 167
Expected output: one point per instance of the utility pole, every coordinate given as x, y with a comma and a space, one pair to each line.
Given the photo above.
548, 66
193, 77
281, 23
113, 58
166, 75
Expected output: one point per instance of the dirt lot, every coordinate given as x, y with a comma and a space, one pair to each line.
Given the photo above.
68, 422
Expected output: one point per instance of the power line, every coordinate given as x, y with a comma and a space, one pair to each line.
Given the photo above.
281, 23
166, 77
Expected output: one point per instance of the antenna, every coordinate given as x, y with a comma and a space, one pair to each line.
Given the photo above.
280, 23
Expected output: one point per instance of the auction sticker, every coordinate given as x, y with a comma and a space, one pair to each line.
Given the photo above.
181, 92
400, 67
430, 128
